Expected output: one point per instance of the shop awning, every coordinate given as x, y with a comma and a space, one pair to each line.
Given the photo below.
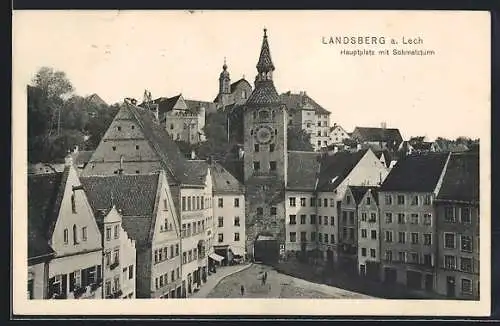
216, 257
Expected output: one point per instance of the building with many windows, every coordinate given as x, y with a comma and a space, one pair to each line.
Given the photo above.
457, 216
408, 220
150, 219
67, 263
119, 270
229, 212
305, 114
369, 235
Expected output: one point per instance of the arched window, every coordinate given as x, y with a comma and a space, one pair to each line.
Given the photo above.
243, 94
73, 204
75, 234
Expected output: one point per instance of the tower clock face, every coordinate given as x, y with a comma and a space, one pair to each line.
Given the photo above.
264, 134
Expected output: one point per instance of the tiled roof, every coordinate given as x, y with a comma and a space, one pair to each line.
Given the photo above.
166, 104
264, 94
173, 161
96, 99
335, 168
134, 196
379, 134
194, 105
81, 157
45, 193
296, 102
303, 168
461, 179
422, 146
387, 155
265, 63
224, 181
195, 172
417, 173
236, 83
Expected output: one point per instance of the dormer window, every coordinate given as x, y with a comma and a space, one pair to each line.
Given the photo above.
119, 128
243, 94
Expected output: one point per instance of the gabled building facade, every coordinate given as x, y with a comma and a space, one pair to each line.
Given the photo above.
150, 219
333, 175
457, 216
305, 114
408, 221
369, 235
60, 214
119, 267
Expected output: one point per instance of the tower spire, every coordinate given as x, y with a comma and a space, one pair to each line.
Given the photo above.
265, 64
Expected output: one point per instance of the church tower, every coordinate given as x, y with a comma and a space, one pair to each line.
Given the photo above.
265, 153
224, 85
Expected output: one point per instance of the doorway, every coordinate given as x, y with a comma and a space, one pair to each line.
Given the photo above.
450, 286
429, 282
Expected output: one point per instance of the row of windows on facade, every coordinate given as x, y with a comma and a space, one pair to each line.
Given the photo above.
313, 202
236, 221
321, 219
78, 279
137, 147
113, 286
221, 237
322, 238
192, 203
193, 254
186, 126
414, 237
112, 263
163, 280
75, 235
257, 167
198, 227
163, 253
410, 258
220, 202
325, 143
258, 147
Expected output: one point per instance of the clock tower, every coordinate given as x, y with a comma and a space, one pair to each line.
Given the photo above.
265, 154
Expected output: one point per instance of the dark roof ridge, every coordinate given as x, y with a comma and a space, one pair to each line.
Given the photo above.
57, 203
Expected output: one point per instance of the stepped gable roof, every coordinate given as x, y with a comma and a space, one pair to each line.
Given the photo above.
134, 196
45, 194
379, 134
303, 168
172, 160
264, 94
461, 179
224, 182
296, 102
195, 173
334, 169
416, 173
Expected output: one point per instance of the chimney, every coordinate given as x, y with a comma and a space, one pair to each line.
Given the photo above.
68, 160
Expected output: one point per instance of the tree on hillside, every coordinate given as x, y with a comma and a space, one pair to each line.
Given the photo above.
299, 140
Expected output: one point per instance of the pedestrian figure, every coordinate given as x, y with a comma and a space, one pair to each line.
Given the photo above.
242, 288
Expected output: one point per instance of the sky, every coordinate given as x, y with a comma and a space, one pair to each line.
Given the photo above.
119, 54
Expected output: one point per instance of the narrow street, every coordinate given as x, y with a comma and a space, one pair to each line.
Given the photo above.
277, 286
